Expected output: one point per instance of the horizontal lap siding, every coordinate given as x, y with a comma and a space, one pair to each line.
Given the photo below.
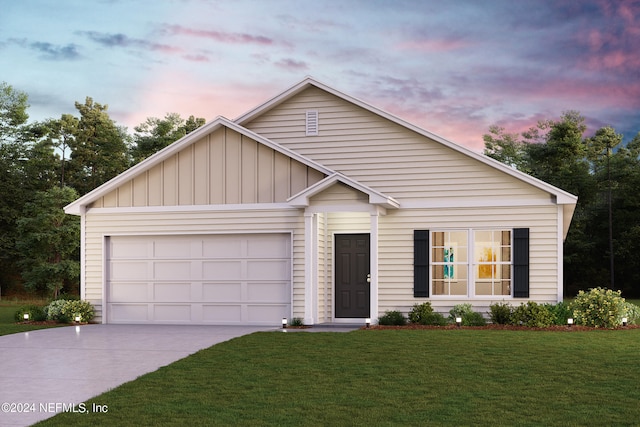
242, 221
396, 251
382, 154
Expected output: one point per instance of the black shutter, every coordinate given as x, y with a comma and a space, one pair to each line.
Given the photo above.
421, 263
521, 262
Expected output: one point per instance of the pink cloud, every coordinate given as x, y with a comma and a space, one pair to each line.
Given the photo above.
433, 45
224, 37
292, 64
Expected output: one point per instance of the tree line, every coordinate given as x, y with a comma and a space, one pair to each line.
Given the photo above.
47, 164
603, 244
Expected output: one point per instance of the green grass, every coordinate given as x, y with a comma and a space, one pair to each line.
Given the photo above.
7, 321
388, 378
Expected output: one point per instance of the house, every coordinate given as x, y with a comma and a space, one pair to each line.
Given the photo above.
319, 206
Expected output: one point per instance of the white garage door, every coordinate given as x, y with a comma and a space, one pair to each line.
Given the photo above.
204, 279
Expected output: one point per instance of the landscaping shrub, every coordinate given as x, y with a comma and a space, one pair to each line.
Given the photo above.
36, 313
560, 311
533, 315
296, 321
500, 313
78, 308
632, 313
54, 311
419, 312
599, 307
393, 317
469, 317
434, 319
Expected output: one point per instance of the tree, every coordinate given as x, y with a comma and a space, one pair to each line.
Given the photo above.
52, 240
99, 149
506, 148
155, 134
13, 111
557, 152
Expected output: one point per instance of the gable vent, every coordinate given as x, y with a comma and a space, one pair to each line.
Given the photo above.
312, 122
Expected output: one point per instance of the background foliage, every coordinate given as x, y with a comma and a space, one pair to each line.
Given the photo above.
605, 175
46, 165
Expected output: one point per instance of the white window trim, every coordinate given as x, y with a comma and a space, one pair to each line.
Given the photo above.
470, 264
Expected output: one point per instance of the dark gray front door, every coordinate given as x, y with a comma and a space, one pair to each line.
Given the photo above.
352, 258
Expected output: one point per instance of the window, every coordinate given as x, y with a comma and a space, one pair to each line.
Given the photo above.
449, 263
492, 262
471, 263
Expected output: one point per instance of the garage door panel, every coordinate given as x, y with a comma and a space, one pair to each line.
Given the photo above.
173, 248
168, 292
268, 270
222, 292
172, 270
267, 291
264, 246
222, 313
128, 247
172, 313
199, 279
123, 270
222, 247
129, 313
222, 270
128, 292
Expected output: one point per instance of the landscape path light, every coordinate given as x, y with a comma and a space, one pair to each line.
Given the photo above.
284, 323
570, 321
458, 321
26, 316
367, 322
624, 321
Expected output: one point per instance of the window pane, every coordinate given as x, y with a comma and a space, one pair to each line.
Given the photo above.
492, 258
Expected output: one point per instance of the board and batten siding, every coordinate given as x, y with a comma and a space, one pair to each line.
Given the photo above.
384, 155
395, 288
223, 167
241, 221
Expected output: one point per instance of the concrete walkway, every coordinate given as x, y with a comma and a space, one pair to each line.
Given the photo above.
47, 371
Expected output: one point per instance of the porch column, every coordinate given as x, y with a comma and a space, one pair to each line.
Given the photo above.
374, 266
310, 276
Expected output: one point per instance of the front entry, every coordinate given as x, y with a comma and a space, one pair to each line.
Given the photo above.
352, 291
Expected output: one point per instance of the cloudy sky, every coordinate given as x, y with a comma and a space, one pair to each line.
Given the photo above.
453, 68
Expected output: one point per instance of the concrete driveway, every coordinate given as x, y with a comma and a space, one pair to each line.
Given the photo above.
48, 371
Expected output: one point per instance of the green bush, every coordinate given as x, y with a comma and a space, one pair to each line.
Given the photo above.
419, 312
500, 313
469, 317
560, 311
599, 307
296, 321
84, 309
533, 315
36, 313
632, 313
393, 317
54, 311
434, 319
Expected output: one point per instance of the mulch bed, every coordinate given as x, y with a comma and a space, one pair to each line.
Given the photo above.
557, 328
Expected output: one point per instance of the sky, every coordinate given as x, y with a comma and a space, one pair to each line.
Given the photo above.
452, 67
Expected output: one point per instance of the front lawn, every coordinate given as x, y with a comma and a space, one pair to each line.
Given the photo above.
388, 377
7, 321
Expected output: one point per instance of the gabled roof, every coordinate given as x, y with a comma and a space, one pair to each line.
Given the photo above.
77, 207
562, 197
301, 199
